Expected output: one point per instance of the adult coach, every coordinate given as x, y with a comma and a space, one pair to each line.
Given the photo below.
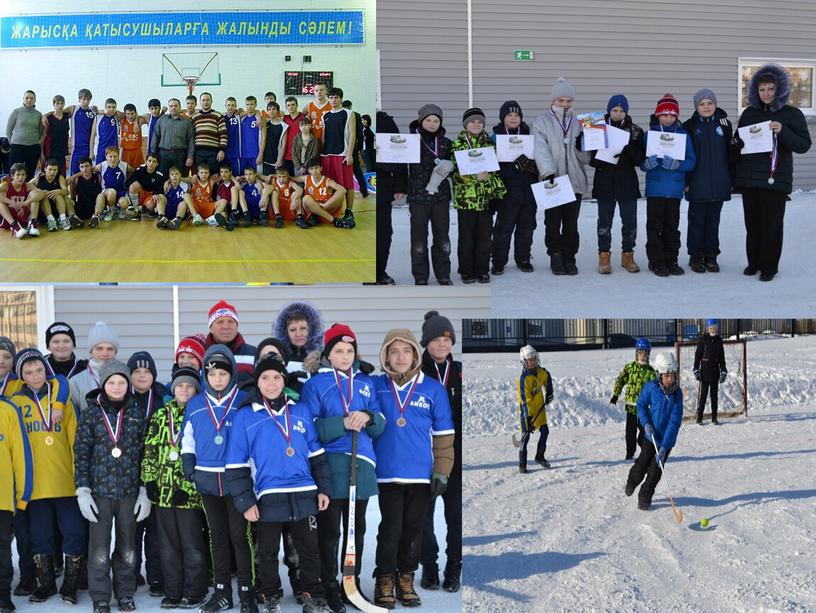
209, 134
24, 130
223, 321
765, 180
173, 139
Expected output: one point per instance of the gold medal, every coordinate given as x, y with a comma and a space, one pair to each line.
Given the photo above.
116, 452
49, 440
290, 451
401, 422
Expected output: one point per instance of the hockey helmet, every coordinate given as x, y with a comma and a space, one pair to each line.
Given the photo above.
643, 344
711, 322
528, 352
665, 363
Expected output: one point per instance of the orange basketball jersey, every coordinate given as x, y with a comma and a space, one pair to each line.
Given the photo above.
202, 197
285, 192
316, 115
130, 139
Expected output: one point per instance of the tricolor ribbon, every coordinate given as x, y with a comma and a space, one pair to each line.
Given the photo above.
401, 405
175, 437
285, 432
443, 380
566, 129
216, 422
113, 434
774, 155
346, 405
435, 150
5, 383
46, 422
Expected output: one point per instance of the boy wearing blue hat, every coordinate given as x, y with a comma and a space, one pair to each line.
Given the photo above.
709, 369
634, 376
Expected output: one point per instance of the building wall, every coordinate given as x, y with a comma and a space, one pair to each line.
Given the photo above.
641, 49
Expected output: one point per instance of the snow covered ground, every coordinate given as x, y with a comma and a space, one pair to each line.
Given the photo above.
568, 539
729, 293
433, 601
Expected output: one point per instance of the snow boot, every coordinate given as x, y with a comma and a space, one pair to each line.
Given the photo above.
272, 605
59, 565
6, 606
542, 462
384, 592
700, 419
128, 604
70, 583
430, 577
46, 583
101, 606
314, 605
169, 602
247, 597
697, 263
26, 586
604, 265
557, 264
750, 271
711, 263
523, 469
569, 265
405, 590
525, 266
628, 261
453, 573
643, 505
629, 489
675, 269
333, 600
714, 420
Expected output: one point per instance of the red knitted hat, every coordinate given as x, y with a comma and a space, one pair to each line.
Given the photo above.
336, 334
192, 345
668, 105
222, 308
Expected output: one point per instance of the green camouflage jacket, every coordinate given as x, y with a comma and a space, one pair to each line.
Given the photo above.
468, 192
634, 376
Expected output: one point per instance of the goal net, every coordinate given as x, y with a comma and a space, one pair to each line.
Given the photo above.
733, 392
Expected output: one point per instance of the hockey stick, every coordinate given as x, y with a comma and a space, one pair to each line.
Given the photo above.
516, 442
350, 555
678, 513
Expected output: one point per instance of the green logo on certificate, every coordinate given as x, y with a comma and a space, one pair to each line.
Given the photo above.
397, 139
667, 137
475, 154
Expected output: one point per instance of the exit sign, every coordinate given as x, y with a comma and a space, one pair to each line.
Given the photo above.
524, 55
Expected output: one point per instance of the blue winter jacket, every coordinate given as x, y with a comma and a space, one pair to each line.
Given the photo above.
662, 183
664, 411
713, 175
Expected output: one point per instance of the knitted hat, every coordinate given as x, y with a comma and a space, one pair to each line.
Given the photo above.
338, 333
436, 325
185, 374
472, 115
6, 344
667, 105
511, 106
27, 355
277, 344
562, 89
113, 367
270, 362
193, 345
704, 94
617, 100
102, 333
429, 109
59, 327
222, 308
218, 360
142, 359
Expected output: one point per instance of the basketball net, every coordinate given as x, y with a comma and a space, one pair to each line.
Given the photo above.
190, 81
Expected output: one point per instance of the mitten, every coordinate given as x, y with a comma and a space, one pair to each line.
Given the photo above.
440, 173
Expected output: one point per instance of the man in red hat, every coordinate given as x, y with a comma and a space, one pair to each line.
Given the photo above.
223, 322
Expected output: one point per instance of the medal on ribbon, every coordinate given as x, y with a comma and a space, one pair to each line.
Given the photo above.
113, 433
219, 423
49, 440
286, 432
401, 421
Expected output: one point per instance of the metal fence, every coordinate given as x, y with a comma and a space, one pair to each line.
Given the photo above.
481, 335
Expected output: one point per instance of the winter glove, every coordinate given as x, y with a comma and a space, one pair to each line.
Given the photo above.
152, 489
87, 506
697, 374
723, 375
188, 462
439, 483
142, 507
737, 142
524, 164
180, 498
440, 173
663, 453
550, 178
614, 399
650, 162
669, 163
648, 430
548, 399
530, 426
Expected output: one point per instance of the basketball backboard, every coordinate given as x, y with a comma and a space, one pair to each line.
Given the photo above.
179, 68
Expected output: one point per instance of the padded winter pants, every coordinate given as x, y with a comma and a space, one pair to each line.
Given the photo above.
385, 196
634, 434
646, 465
764, 213
561, 228
628, 215
475, 228
703, 234
438, 215
147, 535
702, 392
516, 213
662, 231
182, 551
41, 515
399, 538
328, 530
541, 448
453, 519
123, 561
6, 568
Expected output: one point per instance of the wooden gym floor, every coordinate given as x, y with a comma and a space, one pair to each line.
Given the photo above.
137, 252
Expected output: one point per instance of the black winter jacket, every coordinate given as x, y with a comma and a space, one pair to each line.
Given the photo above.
516, 179
420, 174
713, 174
709, 357
454, 389
620, 181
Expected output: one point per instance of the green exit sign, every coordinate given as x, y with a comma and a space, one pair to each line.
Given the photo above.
524, 55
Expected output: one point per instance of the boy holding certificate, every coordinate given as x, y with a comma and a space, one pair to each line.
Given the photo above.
766, 179
617, 183
471, 197
665, 182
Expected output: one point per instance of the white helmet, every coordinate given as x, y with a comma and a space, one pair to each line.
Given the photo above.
528, 352
665, 362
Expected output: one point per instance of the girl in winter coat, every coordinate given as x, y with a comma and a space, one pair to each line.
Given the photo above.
300, 327
708, 185
665, 183
472, 197
766, 179
618, 184
341, 399
517, 210
634, 376
429, 197
556, 132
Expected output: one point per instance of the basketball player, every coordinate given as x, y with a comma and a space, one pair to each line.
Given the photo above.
315, 109
322, 196
19, 204
339, 135
253, 136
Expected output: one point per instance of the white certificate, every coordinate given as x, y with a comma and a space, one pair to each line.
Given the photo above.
510, 146
664, 144
547, 195
758, 138
594, 139
398, 148
474, 161
618, 139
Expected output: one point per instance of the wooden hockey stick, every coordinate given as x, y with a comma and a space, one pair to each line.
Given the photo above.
678, 512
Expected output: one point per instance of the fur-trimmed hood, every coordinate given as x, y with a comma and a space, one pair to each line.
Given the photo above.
313, 318
783, 87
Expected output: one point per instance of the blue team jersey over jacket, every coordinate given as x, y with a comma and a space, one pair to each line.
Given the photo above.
663, 183
405, 454
664, 411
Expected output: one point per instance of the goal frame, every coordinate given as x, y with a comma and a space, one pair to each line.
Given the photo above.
722, 411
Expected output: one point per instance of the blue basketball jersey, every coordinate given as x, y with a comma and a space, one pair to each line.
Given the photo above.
107, 135
80, 124
150, 126
250, 137
175, 195
233, 136
114, 178
252, 194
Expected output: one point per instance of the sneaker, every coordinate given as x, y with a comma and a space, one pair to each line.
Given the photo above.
51, 225
271, 605
108, 216
348, 217
314, 605
174, 224
223, 222
94, 222
18, 230
221, 600
130, 212
127, 604
485, 278
525, 267
313, 220
121, 213
497, 270
543, 462
233, 218
247, 220
137, 216
278, 220
256, 221
168, 602
302, 223
197, 220
468, 279
421, 282
194, 602
156, 589
33, 228
101, 606
211, 221
344, 223
65, 224
264, 220
76, 222
162, 223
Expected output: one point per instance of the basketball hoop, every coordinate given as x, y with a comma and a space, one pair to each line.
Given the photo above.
190, 81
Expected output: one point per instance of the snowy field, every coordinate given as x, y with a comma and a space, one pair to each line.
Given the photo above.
435, 601
568, 539
729, 293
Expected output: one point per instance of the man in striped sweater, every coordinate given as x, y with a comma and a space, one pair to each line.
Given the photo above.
210, 134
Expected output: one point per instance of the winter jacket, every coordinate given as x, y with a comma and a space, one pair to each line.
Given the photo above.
753, 170
709, 358
54, 462
454, 389
203, 445
83, 383
391, 177
555, 157
534, 391
518, 175
166, 475
470, 194
634, 376
150, 402
713, 174
432, 148
663, 411
315, 340
16, 461
619, 181
66, 369
95, 467
662, 183
321, 400
243, 353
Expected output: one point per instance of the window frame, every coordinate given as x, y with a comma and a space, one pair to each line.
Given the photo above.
786, 63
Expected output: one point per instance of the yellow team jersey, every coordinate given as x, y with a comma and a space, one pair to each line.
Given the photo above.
10, 385
52, 445
16, 464
532, 390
